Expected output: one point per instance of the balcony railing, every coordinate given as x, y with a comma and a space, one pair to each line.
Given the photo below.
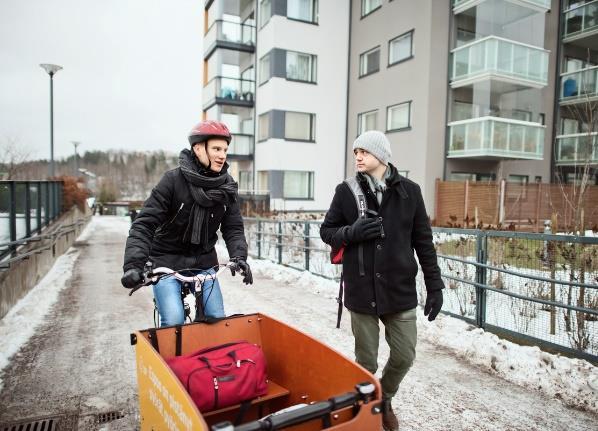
579, 85
229, 90
229, 32
241, 145
461, 5
496, 137
499, 58
581, 20
579, 148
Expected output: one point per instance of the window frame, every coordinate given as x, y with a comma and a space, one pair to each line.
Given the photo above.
315, 14
364, 55
363, 15
408, 127
410, 33
262, 81
260, 137
360, 115
311, 182
312, 127
262, 23
313, 67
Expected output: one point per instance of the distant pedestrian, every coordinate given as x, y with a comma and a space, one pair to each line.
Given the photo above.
379, 266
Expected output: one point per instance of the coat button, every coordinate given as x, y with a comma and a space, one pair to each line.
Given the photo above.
377, 275
379, 246
373, 304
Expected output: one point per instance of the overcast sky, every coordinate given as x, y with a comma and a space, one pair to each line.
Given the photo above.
132, 73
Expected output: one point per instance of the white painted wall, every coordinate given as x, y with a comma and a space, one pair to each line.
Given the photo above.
328, 100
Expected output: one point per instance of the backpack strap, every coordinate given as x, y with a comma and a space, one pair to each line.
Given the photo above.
362, 207
339, 299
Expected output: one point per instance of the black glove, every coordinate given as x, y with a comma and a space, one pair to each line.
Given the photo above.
363, 229
243, 267
433, 304
132, 278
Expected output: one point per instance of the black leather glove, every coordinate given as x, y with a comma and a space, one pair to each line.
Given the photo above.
363, 229
433, 304
243, 268
132, 278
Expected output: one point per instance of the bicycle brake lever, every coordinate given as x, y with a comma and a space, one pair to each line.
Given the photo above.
135, 289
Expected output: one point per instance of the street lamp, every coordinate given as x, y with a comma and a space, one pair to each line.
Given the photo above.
76, 144
51, 70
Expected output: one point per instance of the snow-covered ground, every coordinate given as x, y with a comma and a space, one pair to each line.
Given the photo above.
573, 381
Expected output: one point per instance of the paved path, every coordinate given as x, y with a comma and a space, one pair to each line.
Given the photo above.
80, 362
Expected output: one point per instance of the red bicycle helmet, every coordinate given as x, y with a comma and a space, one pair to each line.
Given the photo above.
209, 129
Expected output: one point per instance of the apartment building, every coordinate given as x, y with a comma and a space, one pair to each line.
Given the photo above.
577, 109
464, 89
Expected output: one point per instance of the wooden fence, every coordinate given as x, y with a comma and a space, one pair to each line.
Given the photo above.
510, 205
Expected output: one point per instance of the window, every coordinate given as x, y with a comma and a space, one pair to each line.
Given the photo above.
367, 121
245, 180
369, 62
538, 178
298, 185
264, 127
265, 12
400, 48
301, 67
398, 117
519, 179
303, 10
518, 190
369, 6
265, 68
262, 181
300, 126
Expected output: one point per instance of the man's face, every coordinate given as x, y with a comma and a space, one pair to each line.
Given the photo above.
216, 156
365, 162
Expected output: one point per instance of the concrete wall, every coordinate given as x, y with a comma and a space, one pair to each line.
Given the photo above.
23, 275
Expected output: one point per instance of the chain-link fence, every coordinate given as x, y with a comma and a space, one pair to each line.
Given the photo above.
535, 288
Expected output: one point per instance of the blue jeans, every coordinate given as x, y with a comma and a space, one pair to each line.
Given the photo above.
167, 293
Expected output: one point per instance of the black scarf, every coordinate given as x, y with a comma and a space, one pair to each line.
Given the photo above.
208, 188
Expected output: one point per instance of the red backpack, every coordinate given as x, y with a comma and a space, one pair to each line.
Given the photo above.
221, 376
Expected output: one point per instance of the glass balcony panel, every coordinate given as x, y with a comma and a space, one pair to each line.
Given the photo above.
581, 19
458, 138
501, 57
579, 148
580, 84
496, 137
233, 89
228, 31
543, 3
241, 145
567, 149
501, 136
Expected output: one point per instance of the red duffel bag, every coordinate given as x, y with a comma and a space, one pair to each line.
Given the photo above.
220, 376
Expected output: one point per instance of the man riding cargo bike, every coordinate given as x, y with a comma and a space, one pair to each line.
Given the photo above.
176, 228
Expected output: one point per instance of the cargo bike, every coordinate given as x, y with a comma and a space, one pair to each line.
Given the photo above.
310, 386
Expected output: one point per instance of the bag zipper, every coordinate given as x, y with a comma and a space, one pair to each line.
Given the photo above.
177, 213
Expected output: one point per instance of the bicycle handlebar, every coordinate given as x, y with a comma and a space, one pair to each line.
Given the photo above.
152, 276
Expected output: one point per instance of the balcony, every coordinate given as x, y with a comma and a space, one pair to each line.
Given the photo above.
581, 25
494, 137
579, 86
502, 11
577, 149
241, 146
228, 91
229, 35
501, 60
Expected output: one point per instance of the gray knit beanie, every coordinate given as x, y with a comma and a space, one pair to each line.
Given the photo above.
375, 143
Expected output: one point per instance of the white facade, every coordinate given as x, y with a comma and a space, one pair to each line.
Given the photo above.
327, 99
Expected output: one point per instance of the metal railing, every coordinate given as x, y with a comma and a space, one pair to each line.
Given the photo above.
26, 207
534, 288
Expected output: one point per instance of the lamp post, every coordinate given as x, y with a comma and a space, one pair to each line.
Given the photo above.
76, 144
51, 70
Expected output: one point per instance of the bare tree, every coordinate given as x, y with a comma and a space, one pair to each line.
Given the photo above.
12, 156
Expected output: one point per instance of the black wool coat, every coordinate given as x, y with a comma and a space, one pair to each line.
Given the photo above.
388, 285
157, 232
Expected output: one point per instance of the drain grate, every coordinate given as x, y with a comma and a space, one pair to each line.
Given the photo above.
109, 416
47, 424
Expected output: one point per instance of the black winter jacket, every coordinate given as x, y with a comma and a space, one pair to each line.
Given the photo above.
157, 232
388, 285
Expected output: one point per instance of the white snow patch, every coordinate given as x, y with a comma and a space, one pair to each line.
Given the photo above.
20, 323
574, 381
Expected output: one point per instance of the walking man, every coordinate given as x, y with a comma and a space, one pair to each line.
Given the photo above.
177, 225
379, 266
